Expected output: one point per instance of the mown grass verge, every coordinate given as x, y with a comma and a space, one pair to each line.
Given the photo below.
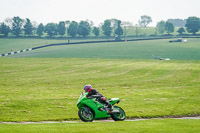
147, 126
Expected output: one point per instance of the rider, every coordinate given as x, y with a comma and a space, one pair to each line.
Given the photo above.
92, 92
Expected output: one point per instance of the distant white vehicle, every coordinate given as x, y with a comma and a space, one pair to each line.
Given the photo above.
185, 40
167, 58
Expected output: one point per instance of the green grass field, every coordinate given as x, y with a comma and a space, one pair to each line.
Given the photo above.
8, 45
122, 50
149, 126
35, 89
116, 50
45, 84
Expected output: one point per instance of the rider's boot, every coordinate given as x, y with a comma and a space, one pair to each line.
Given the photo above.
110, 108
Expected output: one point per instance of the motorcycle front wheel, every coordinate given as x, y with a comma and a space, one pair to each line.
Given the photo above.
86, 114
119, 116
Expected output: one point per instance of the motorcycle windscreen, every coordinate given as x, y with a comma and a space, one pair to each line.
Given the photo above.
114, 100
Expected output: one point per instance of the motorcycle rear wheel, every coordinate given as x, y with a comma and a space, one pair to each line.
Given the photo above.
119, 116
86, 116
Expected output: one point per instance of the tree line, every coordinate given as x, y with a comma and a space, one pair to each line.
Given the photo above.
110, 27
17, 25
192, 25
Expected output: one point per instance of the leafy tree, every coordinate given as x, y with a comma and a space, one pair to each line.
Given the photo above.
169, 27
91, 23
126, 28
181, 30
9, 22
161, 27
51, 29
106, 27
73, 28
4, 29
17, 25
28, 27
84, 28
114, 25
137, 30
145, 20
96, 31
67, 23
40, 29
35, 26
193, 25
119, 30
61, 28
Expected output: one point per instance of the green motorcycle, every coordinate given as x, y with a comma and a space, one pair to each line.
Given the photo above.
90, 109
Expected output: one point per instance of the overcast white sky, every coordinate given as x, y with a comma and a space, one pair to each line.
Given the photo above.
45, 11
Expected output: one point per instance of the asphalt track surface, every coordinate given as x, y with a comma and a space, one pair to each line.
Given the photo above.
46, 122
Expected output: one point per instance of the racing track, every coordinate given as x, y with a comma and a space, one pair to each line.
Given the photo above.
45, 122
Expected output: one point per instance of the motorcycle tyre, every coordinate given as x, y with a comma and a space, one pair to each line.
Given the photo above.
116, 118
82, 118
